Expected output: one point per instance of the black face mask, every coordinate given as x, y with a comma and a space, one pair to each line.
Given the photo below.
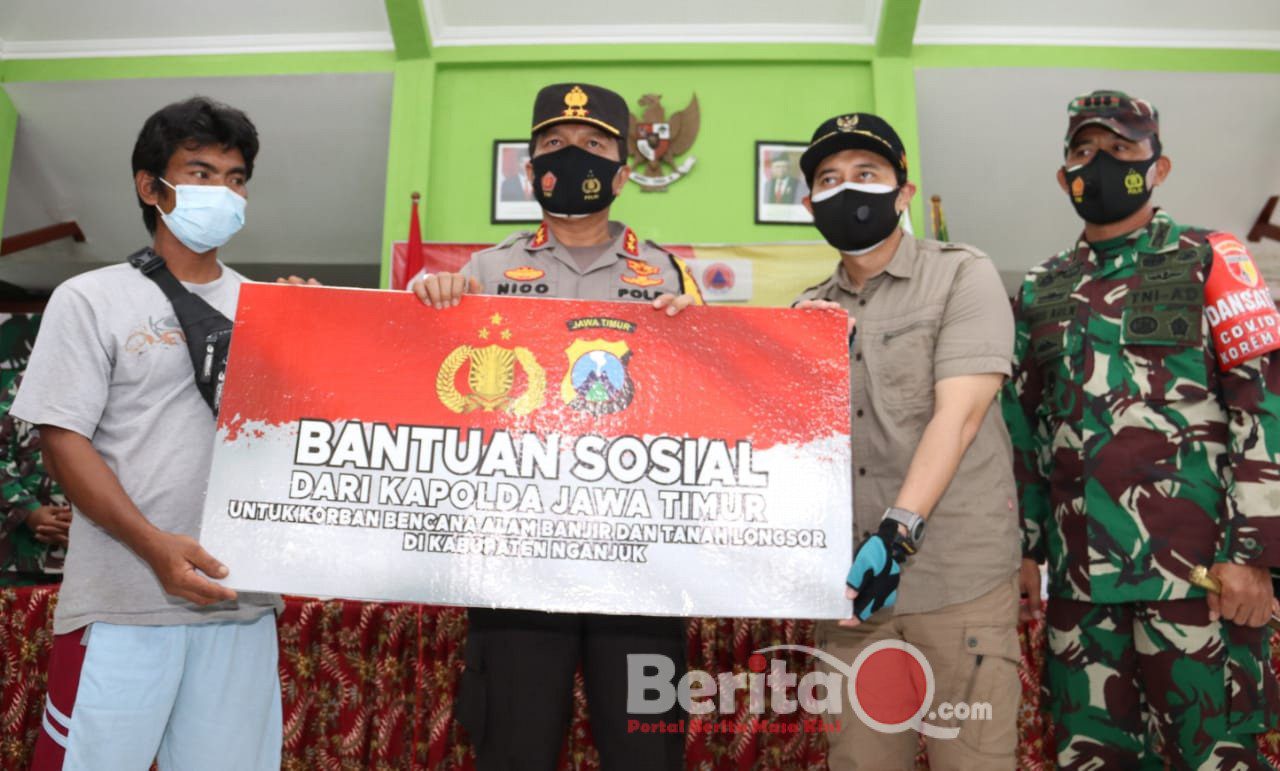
854, 220
1107, 189
572, 181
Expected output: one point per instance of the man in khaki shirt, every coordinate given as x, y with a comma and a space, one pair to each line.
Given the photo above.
517, 690
931, 342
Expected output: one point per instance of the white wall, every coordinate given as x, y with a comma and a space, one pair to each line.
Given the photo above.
316, 196
991, 142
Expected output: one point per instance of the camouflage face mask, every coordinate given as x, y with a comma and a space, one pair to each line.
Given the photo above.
1107, 189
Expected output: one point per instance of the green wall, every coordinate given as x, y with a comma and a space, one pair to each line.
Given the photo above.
8, 129
449, 104
740, 102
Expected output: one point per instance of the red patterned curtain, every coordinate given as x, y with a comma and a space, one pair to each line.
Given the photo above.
371, 686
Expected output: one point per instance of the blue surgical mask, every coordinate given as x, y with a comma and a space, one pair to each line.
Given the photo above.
204, 217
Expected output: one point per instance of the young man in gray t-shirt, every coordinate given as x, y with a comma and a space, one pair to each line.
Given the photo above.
151, 659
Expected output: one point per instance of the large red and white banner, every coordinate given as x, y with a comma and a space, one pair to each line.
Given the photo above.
557, 455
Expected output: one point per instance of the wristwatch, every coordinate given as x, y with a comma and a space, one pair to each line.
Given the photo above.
912, 521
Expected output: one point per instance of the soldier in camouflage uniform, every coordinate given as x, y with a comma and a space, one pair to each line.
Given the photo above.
34, 519
1145, 418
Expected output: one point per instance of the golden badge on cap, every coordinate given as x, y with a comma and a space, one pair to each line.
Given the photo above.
575, 103
847, 123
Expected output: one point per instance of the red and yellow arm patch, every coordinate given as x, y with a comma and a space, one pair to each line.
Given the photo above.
1241, 312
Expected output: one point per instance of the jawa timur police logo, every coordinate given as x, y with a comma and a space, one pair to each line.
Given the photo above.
656, 140
491, 375
598, 381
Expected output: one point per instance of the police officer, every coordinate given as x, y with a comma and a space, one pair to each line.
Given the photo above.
517, 689
1145, 416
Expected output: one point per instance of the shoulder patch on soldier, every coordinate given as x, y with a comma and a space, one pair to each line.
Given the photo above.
1238, 305
1160, 233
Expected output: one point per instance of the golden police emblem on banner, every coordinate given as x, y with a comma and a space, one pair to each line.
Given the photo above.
491, 376
656, 140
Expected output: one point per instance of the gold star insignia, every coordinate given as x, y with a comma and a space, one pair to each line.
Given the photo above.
484, 334
506, 334
495, 319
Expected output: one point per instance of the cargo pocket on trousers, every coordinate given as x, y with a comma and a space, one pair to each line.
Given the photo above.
988, 716
1252, 693
472, 702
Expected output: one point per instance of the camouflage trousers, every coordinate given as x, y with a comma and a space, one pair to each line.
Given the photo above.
1136, 685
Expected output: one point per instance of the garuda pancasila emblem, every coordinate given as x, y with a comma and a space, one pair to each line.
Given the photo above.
656, 140
491, 377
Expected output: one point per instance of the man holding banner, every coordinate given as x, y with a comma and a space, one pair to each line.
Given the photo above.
931, 347
151, 660
516, 692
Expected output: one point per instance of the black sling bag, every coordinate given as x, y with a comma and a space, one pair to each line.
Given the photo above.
208, 332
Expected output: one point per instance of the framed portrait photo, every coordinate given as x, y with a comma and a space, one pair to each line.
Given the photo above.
512, 199
780, 185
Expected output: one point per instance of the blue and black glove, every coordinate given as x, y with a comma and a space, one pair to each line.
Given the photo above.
876, 568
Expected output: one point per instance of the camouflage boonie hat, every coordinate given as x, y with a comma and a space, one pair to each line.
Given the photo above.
1132, 118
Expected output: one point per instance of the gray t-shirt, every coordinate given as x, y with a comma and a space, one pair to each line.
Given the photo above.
111, 364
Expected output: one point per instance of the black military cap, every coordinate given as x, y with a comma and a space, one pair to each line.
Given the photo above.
854, 131
580, 103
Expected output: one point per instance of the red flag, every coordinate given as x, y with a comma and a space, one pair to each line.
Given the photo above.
402, 272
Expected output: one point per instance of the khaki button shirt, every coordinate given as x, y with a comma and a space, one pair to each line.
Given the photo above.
535, 265
937, 311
